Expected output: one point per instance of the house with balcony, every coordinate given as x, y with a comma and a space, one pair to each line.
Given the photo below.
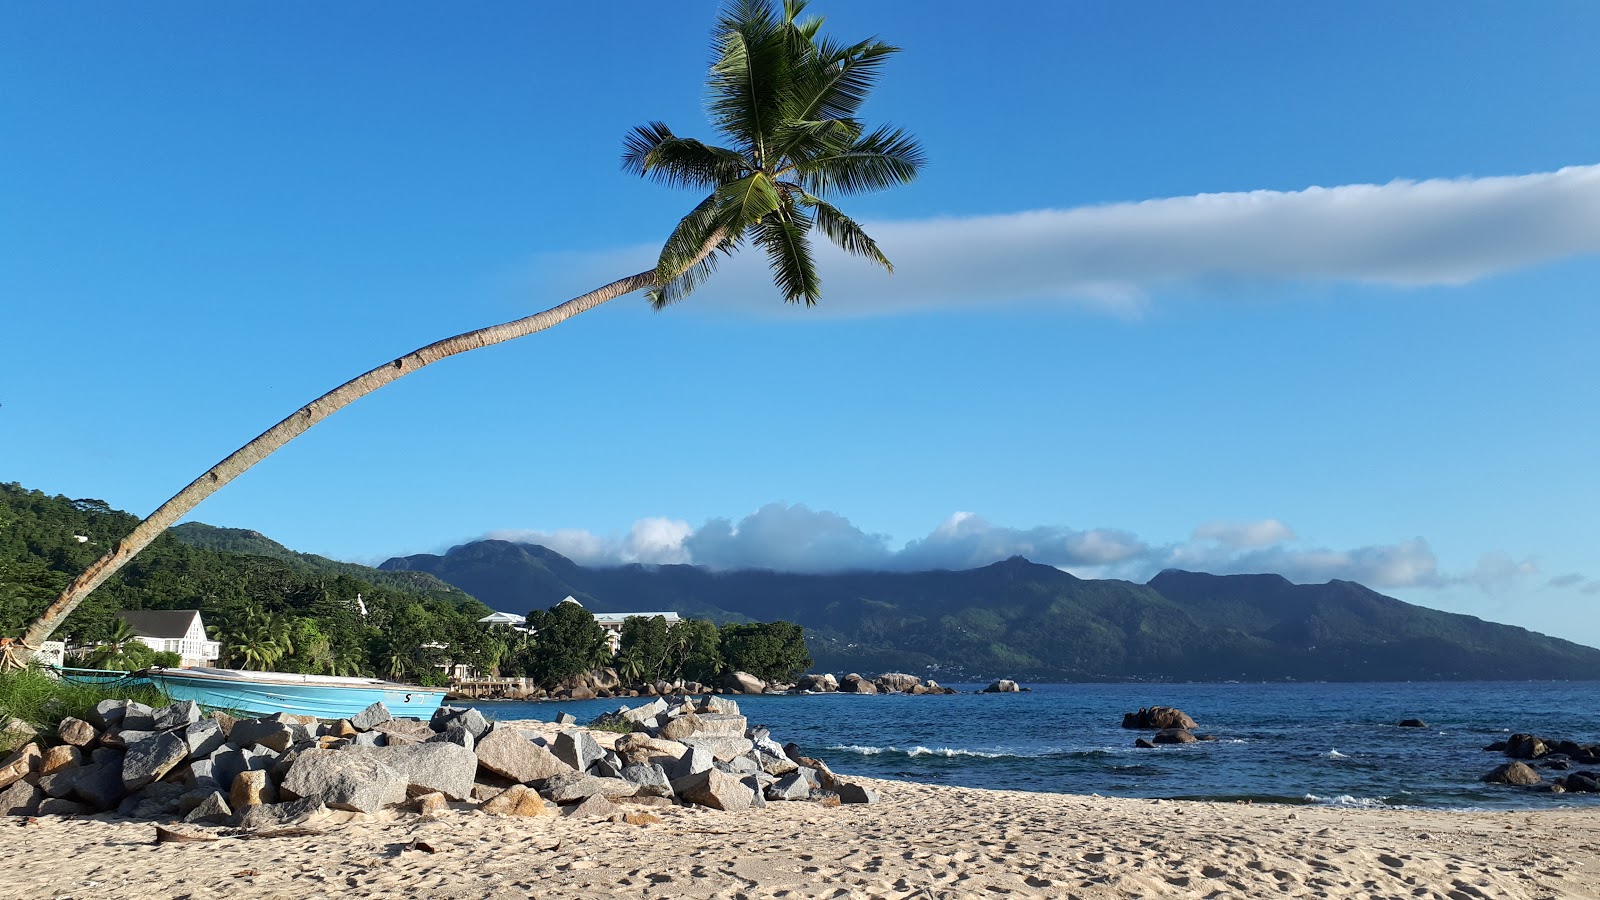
179, 631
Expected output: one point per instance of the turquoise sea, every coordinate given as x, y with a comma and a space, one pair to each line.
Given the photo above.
1334, 744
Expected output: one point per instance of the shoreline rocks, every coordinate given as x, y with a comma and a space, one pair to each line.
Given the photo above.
276, 771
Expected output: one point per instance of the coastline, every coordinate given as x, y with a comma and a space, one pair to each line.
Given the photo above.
920, 841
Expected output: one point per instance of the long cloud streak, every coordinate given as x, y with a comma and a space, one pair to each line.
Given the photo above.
1409, 233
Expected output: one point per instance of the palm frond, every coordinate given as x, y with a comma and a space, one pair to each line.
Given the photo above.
654, 152
789, 255
845, 232
839, 78
682, 265
751, 67
746, 200
888, 157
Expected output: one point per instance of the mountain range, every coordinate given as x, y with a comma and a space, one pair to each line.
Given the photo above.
1021, 619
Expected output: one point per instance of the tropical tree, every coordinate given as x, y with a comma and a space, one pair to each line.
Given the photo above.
786, 100
121, 649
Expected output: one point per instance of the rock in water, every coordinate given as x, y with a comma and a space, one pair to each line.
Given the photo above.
1513, 773
1158, 718
1003, 686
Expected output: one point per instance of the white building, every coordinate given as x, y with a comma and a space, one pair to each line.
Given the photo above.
177, 631
612, 622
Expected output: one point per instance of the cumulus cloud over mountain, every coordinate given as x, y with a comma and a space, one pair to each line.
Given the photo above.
1112, 257
796, 538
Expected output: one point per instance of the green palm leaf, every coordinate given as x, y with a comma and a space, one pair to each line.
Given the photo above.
789, 255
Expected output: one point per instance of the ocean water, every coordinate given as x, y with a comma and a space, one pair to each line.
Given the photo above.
1334, 744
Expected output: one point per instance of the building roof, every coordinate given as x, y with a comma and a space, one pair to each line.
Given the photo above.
620, 617
503, 618
159, 623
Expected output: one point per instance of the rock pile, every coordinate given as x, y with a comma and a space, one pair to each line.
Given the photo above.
854, 683
1170, 724
280, 770
1550, 755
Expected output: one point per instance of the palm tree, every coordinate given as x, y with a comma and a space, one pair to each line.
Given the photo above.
112, 653
786, 99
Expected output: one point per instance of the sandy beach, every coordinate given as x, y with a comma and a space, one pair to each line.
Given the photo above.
920, 841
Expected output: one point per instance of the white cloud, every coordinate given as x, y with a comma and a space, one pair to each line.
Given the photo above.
796, 538
1245, 534
1111, 257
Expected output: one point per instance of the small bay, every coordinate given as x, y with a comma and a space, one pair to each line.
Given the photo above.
1325, 743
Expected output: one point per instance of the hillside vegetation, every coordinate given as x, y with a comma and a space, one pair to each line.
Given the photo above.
1019, 618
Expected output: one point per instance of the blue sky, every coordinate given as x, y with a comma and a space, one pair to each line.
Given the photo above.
1254, 288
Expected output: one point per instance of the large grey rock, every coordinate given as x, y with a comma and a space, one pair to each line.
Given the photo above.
214, 808
150, 760
643, 714
720, 705
267, 733
343, 780
108, 713
566, 719
1174, 736
53, 806
505, 752
694, 761
719, 725
203, 738
100, 785
1156, 718
723, 747
715, 789
743, 683
758, 797
577, 749
855, 684
789, 787
76, 732
203, 776
138, 717
576, 786
818, 684
850, 792
125, 737
595, 806
896, 681
158, 801
650, 780
280, 815
177, 715
1002, 686
454, 733
228, 761
22, 798
371, 717
443, 768
60, 785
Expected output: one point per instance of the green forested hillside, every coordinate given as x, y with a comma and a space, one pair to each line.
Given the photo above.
1035, 621
271, 607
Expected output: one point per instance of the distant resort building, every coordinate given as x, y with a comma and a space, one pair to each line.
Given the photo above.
610, 621
179, 631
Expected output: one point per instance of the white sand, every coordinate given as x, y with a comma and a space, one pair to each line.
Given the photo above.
921, 841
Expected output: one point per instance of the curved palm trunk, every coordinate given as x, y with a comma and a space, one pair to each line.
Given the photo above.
289, 429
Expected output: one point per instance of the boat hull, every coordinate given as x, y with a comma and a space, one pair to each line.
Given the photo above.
265, 693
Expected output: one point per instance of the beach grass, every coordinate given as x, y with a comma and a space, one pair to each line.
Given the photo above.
42, 701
